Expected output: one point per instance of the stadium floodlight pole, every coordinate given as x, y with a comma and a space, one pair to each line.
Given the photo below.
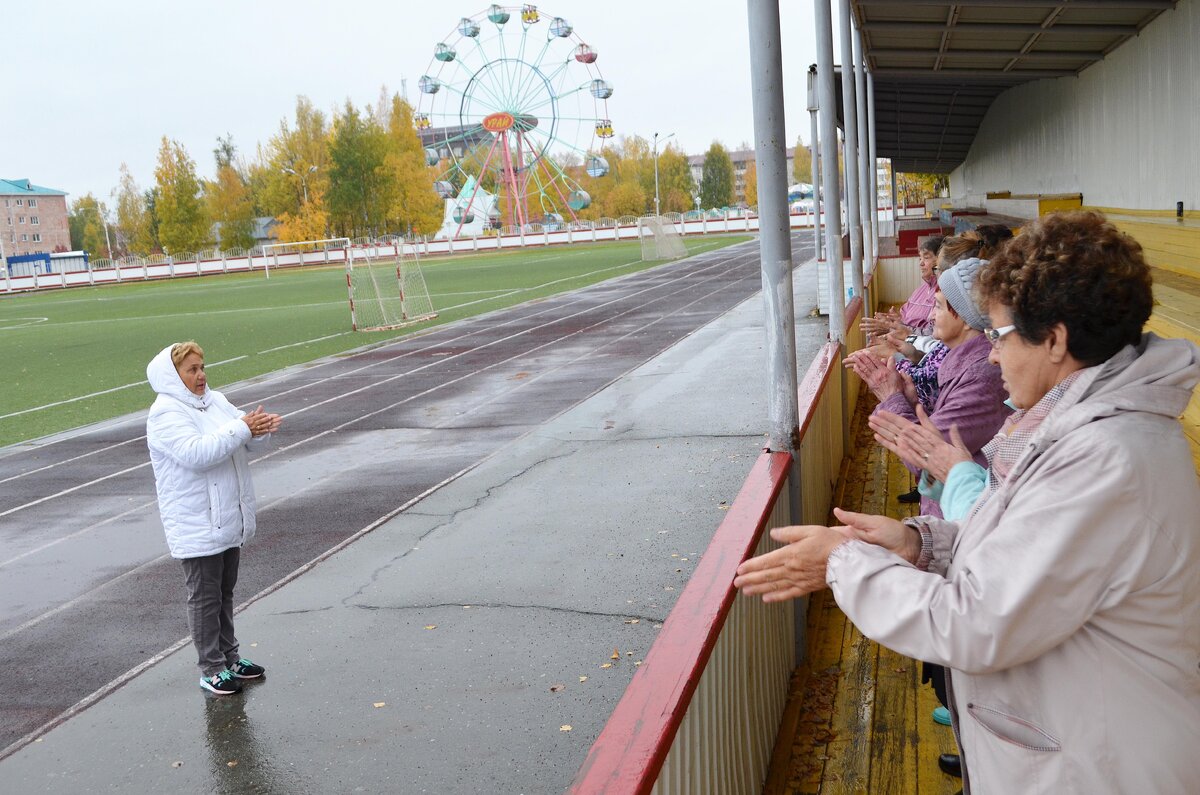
814, 171
672, 135
850, 128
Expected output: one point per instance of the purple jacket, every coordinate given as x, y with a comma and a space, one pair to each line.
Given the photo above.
971, 396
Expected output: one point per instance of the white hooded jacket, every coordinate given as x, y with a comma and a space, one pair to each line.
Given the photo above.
198, 447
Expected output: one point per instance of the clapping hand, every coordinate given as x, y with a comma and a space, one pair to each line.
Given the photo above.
920, 445
261, 423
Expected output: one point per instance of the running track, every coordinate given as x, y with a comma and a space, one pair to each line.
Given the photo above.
86, 588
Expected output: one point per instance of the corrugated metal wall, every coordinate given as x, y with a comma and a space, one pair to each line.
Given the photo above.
1123, 133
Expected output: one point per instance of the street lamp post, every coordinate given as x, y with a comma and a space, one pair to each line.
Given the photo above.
672, 135
303, 178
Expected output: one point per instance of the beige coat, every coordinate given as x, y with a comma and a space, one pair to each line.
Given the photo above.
1068, 606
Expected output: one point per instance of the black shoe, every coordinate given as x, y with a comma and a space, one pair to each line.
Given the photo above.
912, 496
951, 764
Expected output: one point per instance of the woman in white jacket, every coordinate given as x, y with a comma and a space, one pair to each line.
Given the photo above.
1066, 604
198, 444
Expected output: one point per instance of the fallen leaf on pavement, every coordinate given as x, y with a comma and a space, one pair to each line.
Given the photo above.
177, 764
606, 665
557, 688
616, 655
583, 679
632, 620
566, 727
431, 626
231, 763
379, 704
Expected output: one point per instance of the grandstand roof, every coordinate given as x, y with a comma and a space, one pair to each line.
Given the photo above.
939, 64
23, 187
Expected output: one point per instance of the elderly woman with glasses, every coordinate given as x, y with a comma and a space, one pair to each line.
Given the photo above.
1066, 604
969, 395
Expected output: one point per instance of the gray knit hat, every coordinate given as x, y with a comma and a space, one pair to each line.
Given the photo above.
956, 283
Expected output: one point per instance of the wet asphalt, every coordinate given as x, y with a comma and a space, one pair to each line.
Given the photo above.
523, 491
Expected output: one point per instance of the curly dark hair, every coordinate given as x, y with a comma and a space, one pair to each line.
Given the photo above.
1077, 269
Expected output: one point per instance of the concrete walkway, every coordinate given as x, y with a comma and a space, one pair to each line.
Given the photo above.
466, 645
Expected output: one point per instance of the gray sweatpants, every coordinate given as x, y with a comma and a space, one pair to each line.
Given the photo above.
210, 580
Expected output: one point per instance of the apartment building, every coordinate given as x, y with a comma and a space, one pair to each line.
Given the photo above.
33, 219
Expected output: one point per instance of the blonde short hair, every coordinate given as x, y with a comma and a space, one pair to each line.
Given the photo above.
182, 350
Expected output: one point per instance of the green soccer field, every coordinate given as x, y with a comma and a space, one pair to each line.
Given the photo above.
77, 356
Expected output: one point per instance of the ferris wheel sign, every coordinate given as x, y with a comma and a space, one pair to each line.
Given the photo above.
514, 104
498, 122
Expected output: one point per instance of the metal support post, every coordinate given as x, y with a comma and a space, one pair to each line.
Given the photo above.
850, 127
866, 174
874, 161
829, 170
775, 252
815, 162
775, 247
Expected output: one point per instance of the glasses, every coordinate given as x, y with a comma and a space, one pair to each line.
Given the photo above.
994, 335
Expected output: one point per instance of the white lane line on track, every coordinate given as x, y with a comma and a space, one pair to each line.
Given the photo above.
447, 309
124, 678
374, 384
80, 532
98, 394
66, 605
304, 342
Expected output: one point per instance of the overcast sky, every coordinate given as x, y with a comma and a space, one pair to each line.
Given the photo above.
91, 85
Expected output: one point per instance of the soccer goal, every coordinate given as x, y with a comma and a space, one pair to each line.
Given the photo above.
659, 239
305, 252
386, 290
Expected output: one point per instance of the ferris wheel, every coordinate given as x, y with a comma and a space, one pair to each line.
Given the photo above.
510, 97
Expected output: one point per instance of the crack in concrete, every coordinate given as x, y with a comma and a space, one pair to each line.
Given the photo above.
450, 518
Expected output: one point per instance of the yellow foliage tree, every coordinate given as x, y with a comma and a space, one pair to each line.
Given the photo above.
750, 184
309, 222
133, 218
414, 207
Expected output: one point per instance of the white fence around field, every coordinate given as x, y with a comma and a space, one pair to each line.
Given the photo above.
103, 271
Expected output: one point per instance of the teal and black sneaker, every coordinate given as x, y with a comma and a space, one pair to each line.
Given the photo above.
223, 684
245, 669
941, 715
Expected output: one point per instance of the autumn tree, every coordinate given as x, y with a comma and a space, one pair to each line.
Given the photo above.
413, 206
133, 217
750, 183
85, 221
357, 197
182, 223
913, 188
228, 199
290, 177
802, 162
675, 185
716, 181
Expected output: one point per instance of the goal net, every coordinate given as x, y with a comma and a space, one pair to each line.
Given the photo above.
387, 289
305, 252
659, 239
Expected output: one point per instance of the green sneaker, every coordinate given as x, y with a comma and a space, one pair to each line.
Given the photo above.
223, 684
941, 715
245, 669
